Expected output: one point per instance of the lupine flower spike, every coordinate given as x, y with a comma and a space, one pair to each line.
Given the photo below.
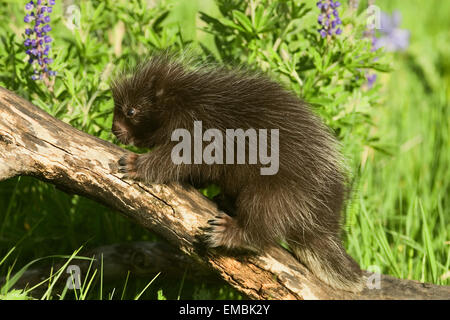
38, 41
370, 34
329, 18
392, 38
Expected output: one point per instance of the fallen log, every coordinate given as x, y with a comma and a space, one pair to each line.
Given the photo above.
34, 143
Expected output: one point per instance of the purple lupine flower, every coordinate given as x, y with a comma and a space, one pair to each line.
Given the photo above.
46, 28
29, 5
329, 18
39, 48
370, 33
27, 18
392, 37
371, 78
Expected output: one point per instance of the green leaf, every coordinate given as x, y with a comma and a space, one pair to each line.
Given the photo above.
154, 39
98, 11
243, 20
428, 243
231, 24
317, 58
258, 18
148, 285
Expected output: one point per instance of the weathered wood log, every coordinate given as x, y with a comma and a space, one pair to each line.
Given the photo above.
34, 143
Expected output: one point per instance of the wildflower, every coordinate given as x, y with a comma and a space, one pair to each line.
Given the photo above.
329, 19
29, 5
371, 78
46, 28
392, 37
38, 48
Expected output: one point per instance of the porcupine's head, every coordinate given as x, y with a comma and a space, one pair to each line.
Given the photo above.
143, 99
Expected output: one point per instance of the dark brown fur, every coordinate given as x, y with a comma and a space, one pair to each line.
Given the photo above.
301, 204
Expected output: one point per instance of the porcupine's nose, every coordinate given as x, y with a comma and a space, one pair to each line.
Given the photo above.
120, 132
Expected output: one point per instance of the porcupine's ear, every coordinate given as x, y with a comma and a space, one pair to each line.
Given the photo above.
168, 82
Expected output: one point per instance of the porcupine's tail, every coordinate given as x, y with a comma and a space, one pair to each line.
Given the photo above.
327, 259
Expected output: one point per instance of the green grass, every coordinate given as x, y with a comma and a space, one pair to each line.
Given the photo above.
399, 216
397, 219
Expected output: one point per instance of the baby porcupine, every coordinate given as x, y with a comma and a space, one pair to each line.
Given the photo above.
301, 204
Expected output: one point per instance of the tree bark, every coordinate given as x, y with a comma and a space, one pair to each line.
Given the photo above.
34, 143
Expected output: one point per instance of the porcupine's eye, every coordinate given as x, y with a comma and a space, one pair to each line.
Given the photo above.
131, 112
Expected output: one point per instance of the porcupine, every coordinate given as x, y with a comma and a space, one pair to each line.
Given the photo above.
301, 204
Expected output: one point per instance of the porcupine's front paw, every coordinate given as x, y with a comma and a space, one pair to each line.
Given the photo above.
128, 166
